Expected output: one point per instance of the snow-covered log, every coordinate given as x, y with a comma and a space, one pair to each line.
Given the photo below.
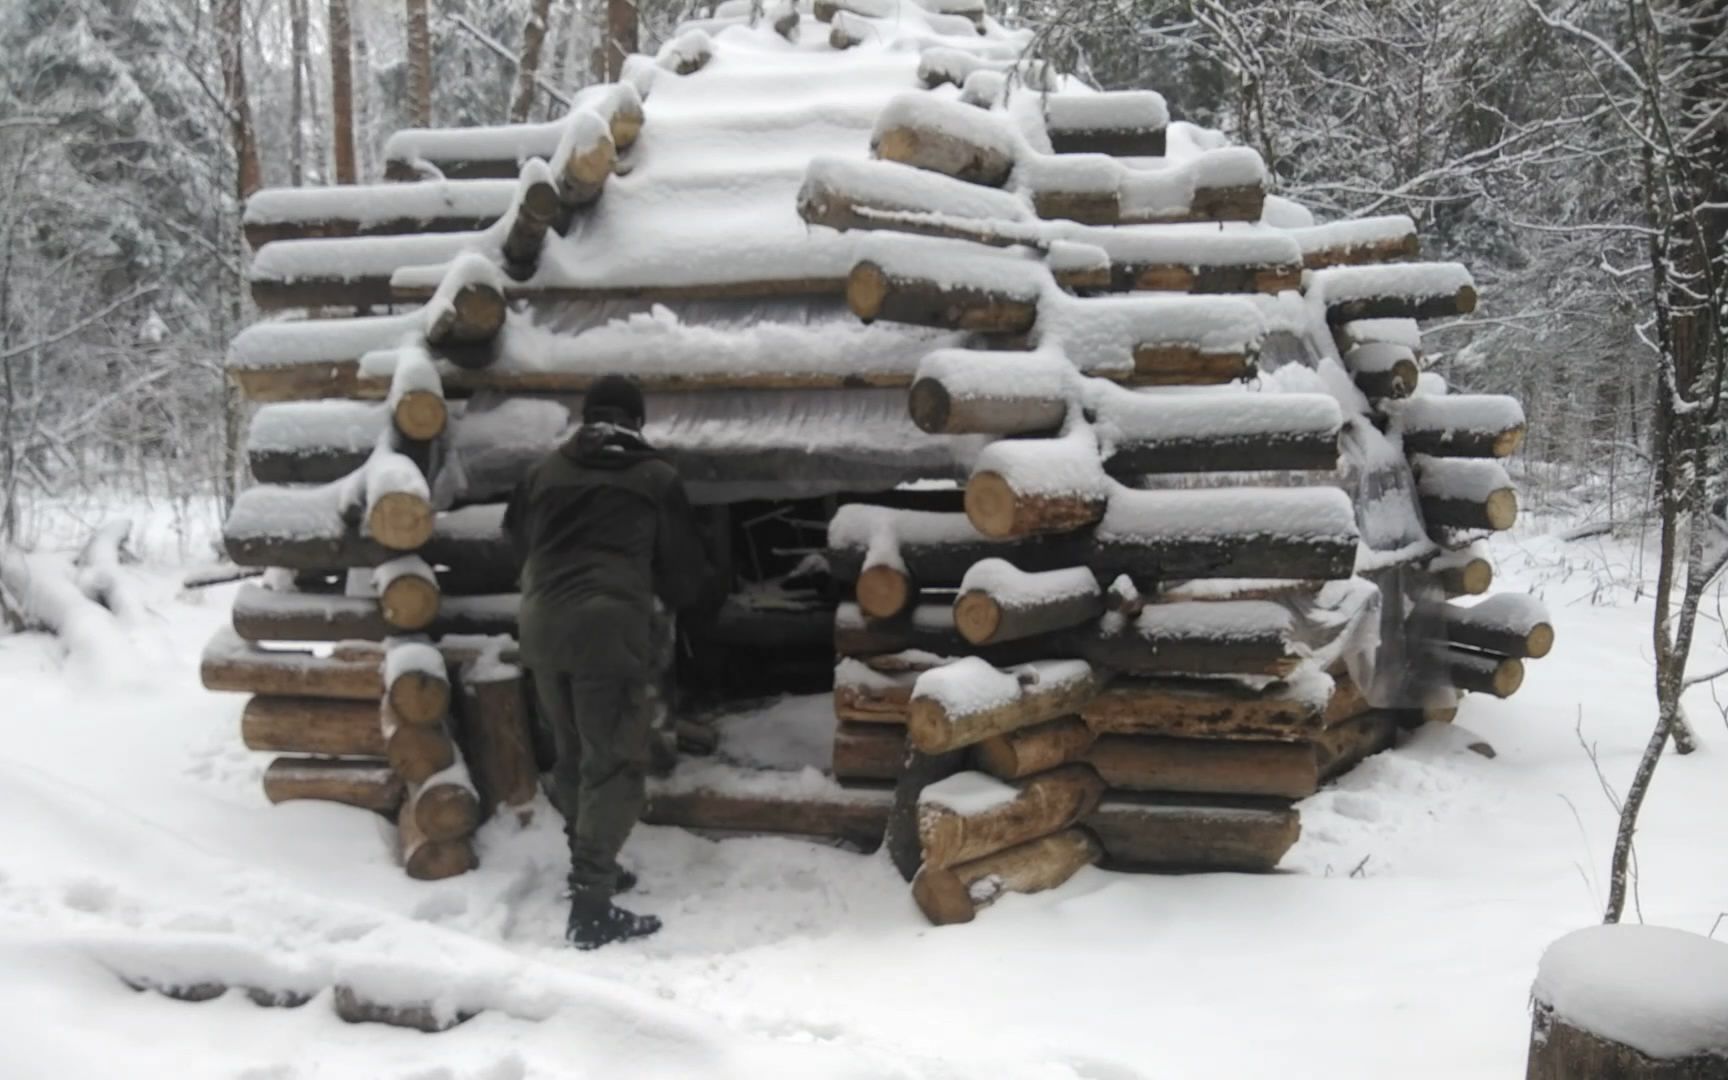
416, 751
846, 193
417, 680
1383, 371
968, 701
1507, 624
1153, 833
1215, 185
532, 215
935, 549
468, 307
1123, 123
868, 751
45, 595
945, 136
965, 392
1466, 572
1225, 637
1463, 493
1278, 769
1630, 1002
416, 399
1159, 433
305, 213
970, 815
1460, 425
687, 53
998, 602
231, 663
270, 615
499, 152
1021, 487
941, 66
1300, 708
434, 828
864, 695
856, 816
369, 785
299, 725
1289, 533
396, 504
925, 286
1481, 673
1016, 755
408, 595
583, 161
957, 894
492, 730
1353, 243
305, 529
1393, 291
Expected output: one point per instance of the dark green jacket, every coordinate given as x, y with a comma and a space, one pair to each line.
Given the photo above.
601, 526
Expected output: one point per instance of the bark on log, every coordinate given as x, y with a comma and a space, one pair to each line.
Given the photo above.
947, 150
416, 401
1482, 673
868, 752
873, 292
877, 703
318, 726
1560, 1050
1090, 206
1149, 648
1216, 710
986, 619
856, 817
941, 411
935, 727
233, 664
1151, 834
492, 727
408, 595
1314, 451
266, 615
416, 751
997, 510
1508, 625
1046, 804
900, 833
957, 894
1434, 306
355, 1008
536, 210
1169, 365
369, 785
1453, 508
1028, 751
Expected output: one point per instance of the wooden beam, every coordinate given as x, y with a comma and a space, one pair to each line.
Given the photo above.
956, 894
1150, 833
369, 785
1040, 805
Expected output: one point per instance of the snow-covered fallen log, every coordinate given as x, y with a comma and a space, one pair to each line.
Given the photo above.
1122, 123
999, 602
969, 700
375, 210
1507, 624
970, 815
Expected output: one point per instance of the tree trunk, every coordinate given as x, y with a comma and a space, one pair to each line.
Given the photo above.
342, 91
621, 31
249, 176
419, 64
299, 60
528, 67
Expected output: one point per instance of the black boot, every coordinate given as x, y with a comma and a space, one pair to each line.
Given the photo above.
624, 882
595, 921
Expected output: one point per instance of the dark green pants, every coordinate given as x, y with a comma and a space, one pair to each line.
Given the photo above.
600, 727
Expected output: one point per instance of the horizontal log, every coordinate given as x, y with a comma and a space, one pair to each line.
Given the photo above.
369, 785
1278, 769
1089, 205
416, 751
927, 628
1148, 833
1220, 709
304, 529
499, 152
1287, 533
1238, 637
468, 306
1509, 624
233, 664
1460, 425
944, 136
1394, 291
269, 615
956, 894
875, 291
937, 549
856, 817
1463, 573
998, 602
1481, 673
318, 726
374, 210
969, 701
1465, 494
1119, 123
941, 409
1000, 511
583, 161
434, 832
1018, 754
885, 590
1037, 806
868, 751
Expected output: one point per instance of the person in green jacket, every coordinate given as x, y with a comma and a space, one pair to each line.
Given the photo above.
601, 527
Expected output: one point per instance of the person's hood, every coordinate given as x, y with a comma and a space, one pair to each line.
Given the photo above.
601, 445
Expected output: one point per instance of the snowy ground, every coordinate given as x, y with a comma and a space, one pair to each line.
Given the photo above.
1402, 942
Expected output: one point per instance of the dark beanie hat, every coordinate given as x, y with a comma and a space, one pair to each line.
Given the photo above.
614, 397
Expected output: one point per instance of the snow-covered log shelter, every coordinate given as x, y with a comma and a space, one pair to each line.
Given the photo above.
1103, 486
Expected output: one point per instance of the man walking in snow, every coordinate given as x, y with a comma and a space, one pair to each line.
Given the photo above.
601, 527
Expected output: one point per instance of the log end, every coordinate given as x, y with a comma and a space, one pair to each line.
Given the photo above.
409, 602
1471, 579
586, 172
1539, 641
977, 616
419, 697
446, 811
991, 505
479, 309
420, 415
1508, 677
943, 897
884, 592
435, 860
866, 290
1507, 442
927, 726
418, 752
930, 405
1466, 300
400, 520
1501, 509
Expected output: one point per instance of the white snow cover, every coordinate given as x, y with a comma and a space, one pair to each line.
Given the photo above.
856, 673
858, 525
352, 258
1192, 244
284, 342
1067, 465
1656, 989
933, 112
1373, 356
1117, 110
403, 658
1319, 513
1430, 384
1360, 232
691, 46
1517, 612
1126, 416
1015, 588
1038, 374
296, 426
1337, 284
1405, 332
956, 265
1282, 213
405, 566
985, 88
1069, 257
1100, 334
1468, 479
891, 186
1457, 412
1145, 194
1214, 620
371, 204
468, 269
414, 371
968, 793
386, 473
971, 685
298, 513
